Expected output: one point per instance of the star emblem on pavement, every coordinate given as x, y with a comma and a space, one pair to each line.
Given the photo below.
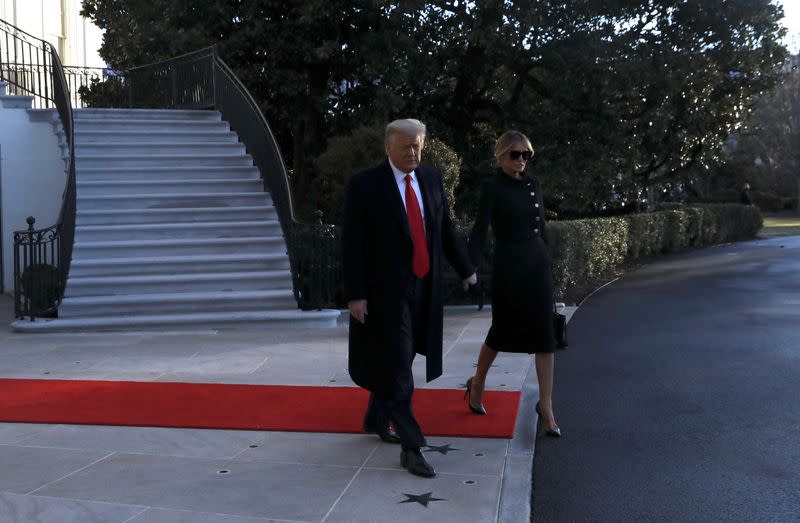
442, 449
422, 499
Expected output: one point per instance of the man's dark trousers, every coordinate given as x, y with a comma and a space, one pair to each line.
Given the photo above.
382, 410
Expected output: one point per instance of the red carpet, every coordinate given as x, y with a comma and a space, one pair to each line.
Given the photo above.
248, 407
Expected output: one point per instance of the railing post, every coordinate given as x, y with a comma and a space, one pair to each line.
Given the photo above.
129, 81
33, 283
318, 262
214, 76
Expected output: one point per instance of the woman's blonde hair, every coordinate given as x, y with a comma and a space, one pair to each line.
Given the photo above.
507, 141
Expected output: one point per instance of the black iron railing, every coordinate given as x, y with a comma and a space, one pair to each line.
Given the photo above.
201, 80
26, 64
41, 256
27, 79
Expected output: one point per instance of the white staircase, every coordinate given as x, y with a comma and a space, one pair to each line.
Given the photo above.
173, 228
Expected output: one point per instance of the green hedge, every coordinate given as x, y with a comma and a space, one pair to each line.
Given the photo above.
583, 250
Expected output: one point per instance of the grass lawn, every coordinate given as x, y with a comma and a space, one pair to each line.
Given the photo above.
780, 226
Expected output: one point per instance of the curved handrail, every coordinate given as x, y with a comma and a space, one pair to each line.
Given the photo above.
311, 246
35, 249
285, 189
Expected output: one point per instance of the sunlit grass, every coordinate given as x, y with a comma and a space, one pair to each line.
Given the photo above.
780, 226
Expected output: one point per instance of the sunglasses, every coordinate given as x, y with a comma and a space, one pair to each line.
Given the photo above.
515, 155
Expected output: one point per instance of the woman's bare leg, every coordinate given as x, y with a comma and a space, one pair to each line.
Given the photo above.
545, 363
485, 359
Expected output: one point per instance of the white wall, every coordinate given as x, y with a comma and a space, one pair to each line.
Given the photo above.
32, 178
60, 23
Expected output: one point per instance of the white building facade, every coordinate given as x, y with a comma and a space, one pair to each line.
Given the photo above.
60, 23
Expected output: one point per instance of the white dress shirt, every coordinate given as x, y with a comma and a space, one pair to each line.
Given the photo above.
400, 178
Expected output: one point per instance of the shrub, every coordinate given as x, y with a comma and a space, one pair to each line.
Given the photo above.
364, 148
110, 92
584, 250
40, 287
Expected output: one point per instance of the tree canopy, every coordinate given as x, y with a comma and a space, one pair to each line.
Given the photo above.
617, 95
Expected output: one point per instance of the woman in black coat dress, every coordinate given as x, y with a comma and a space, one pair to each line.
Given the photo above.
522, 288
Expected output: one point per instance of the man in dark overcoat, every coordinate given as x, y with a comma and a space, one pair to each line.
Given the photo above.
396, 230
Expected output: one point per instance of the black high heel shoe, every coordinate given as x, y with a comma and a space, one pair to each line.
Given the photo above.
468, 396
553, 433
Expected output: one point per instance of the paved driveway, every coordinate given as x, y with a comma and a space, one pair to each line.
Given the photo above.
680, 395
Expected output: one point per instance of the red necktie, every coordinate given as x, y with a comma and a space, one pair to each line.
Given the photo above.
421, 261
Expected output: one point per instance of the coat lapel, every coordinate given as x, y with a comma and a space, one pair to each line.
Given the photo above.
392, 197
425, 187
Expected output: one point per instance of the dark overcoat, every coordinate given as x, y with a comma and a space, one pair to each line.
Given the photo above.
377, 257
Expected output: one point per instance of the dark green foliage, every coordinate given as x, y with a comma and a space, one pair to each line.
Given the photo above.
106, 93
40, 286
766, 152
771, 202
584, 250
364, 148
344, 156
615, 95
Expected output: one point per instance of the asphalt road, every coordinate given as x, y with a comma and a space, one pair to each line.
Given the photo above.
679, 397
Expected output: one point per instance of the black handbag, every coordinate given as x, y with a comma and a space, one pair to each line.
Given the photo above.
560, 327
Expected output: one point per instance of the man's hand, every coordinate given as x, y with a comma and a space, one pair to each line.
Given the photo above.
358, 309
472, 280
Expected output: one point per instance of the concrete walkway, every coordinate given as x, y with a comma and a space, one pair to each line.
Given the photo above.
72, 473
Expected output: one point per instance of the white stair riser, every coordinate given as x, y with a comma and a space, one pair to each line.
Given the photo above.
67, 310
112, 127
195, 192
259, 319
256, 246
90, 234
89, 138
9, 101
111, 150
155, 201
279, 280
221, 214
266, 264
162, 161
145, 114
166, 173
179, 187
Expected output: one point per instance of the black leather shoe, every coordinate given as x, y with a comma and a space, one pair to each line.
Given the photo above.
388, 435
415, 462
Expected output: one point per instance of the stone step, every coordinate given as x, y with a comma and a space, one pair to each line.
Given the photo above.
177, 303
173, 201
186, 264
114, 149
176, 283
159, 231
10, 101
189, 215
167, 173
187, 185
207, 320
158, 135
170, 248
145, 114
147, 125
161, 160
45, 115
